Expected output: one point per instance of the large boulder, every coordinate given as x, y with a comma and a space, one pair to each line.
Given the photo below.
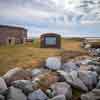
25, 85
74, 81
62, 88
37, 95
70, 66
3, 86
89, 78
59, 97
17, 74
15, 94
53, 63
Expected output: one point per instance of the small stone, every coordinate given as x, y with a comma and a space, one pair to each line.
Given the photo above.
59, 97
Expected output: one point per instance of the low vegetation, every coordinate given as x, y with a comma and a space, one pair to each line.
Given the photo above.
30, 55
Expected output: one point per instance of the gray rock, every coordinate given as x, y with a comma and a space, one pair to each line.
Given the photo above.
59, 97
25, 85
17, 74
88, 96
93, 95
89, 78
2, 97
70, 66
98, 85
15, 94
73, 80
96, 92
3, 86
36, 72
37, 95
53, 63
62, 88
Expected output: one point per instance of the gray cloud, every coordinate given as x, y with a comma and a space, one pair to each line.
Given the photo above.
67, 16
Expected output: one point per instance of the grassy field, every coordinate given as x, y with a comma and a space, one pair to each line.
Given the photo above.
30, 55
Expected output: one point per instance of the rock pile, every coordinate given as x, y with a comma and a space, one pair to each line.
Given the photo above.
56, 81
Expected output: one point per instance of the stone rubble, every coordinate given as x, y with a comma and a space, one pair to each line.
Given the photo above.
55, 81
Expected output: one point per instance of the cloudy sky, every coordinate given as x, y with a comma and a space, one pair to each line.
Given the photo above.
66, 17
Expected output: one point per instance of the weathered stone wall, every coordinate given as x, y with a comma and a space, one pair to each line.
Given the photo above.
17, 33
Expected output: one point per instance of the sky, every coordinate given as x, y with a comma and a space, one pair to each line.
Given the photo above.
70, 18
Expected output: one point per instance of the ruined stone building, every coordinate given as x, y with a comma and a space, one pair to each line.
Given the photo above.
12, 35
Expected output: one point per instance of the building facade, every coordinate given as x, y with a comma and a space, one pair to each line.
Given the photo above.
10, 35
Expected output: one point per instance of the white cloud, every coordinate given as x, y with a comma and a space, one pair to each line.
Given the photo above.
56, 15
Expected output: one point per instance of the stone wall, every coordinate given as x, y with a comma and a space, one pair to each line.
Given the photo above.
11, 34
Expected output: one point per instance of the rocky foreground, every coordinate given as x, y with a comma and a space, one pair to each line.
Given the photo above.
77, 79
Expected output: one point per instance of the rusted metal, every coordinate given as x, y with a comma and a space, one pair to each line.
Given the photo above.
43, 43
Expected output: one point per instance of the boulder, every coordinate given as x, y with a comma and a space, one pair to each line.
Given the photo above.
70, 66
25, 85
2, 97
15, 94
17, 74
93, 95
89, 78
74, 80
3, 86
53, 63
62, 88
37, 95
59, 97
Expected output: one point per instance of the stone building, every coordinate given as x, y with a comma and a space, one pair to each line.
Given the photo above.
11, 35
50, 40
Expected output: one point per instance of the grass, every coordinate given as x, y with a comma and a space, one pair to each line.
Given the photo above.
30, 55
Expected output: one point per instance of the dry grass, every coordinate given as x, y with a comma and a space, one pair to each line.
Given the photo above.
28, 56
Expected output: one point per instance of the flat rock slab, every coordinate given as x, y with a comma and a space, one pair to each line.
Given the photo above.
53, 63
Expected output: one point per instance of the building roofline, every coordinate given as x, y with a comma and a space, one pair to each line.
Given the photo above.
13, 27
50, 34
